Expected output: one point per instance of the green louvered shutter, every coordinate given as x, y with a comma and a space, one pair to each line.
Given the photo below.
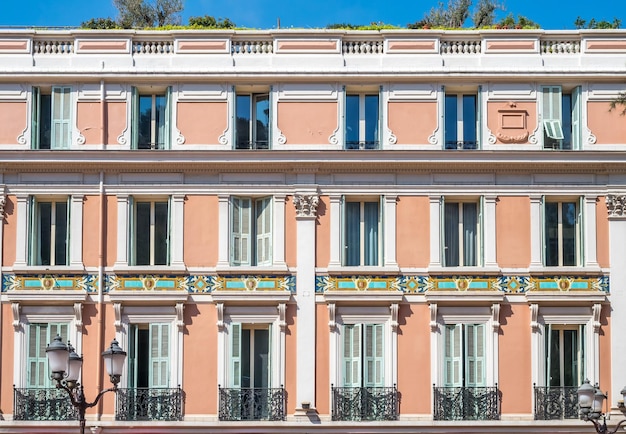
35, 118
577, 132
263, 211
166, 127
61, 115
475, 355
159, 354
453, 356
352, 355
552, 112
374, 350
241, 222
134, 118
235, 355
39, 336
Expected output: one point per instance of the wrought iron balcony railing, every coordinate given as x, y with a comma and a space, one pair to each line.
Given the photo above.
466, 403
462, 144
556, 402
256, 144
144, 403
364, 144
42, 404
251, 403
365, 403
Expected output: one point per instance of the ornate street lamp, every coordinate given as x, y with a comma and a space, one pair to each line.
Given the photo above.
591, 401
65, 365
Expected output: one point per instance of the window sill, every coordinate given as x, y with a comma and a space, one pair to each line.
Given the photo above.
149, 269
359, 270
246, 269
574, 270
480, 271
47, 269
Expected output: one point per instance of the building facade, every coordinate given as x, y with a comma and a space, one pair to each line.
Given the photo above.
298, 231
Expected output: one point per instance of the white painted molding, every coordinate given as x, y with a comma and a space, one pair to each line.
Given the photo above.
202, 92
282, 316
534, 317
434, 325
597, 309
124, 137
412, 92
15, 310
307, 92
180, 318
78, 316
605, 91
220, 316
332, 324
495, 317
394, 316
117, 314
511, 91
13, 92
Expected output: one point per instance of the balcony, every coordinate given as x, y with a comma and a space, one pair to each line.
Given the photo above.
463, 145
466, 403
251, 403
366, 144
556, 403
42, 404
252, 145
365, 403
149, 404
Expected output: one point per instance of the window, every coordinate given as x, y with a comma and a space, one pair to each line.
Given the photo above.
362, 233
464, 355
461, 234
565, 355
561, 118
151, 120
562, 233
250, 355
148, 355
362, 121
251, 231
253, 121
461, 121
363, 360
49, 232
51, 117
39, 336
150, 233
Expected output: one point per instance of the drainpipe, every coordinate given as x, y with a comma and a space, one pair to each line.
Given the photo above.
101, 258
2, 205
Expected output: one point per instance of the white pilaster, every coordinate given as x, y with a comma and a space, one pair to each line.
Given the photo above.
21, 236
435, 231
122, 230
389, 256
279, 231
335, 231
177, 230
591, 257
535, 232
223, 259
76, 231
489, 228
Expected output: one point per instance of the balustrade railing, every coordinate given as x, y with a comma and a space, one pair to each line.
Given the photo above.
252, 46
363, 47
556, 403
466, 403
53, 46
365, 403
42, 404
560, 46
252, 403
460, 46
153, 47
144, 403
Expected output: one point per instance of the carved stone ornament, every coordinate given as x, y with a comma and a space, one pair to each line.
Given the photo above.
331, 317
3, 202
434, 326
394, 316
282, 316
15, 310
534, 317
117, 312
616, 205
220, 316
306, 205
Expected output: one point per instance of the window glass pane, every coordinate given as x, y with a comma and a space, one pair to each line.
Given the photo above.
451, 247
45, 121
142, 233
371, 233
554, 359
570, 358
470, 225
352, 238
262, 113
60, 239
469, 122
371, 121
160, 233
450, 127
569, 215
244, 117
551, 231
352, 121
245, 358
161, 123
261, 358
566, 122
44, 233
144, 123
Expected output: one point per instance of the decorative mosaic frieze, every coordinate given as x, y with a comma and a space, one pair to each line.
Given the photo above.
43, 282
255, 283
201, 283
421, 284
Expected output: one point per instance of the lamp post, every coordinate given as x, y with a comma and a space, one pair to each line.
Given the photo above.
591, 400
65, 365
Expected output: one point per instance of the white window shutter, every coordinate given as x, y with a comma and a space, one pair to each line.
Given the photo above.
39, 336
352, 355
235, 355
159, 354
61, 128
35, 118
475, 355
263, 217
134, 118
577, 118
373, 354
240, 232
453, 356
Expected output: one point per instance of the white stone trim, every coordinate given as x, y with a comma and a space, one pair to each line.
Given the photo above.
21, 236
278, 231
536, 239
123, 214
489, 231
177, 236
223, 214
76, 231
335, 231
589, 231
389, 230
435, 231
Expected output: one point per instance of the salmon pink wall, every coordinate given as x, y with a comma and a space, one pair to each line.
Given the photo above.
511, 122
414, 358
200, 358
515, 376
91, 230
291, 238
92, 353
322, 252
307, 123
88, 121
413, 231
108, 406
111, 230
412, 122
202, 123
9, 231
6, 358
201, 231
322, 374
116, 121
609, 127
513, 231
291, 357
602, 233
13, 119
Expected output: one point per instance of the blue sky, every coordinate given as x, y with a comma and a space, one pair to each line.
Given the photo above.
551, 14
